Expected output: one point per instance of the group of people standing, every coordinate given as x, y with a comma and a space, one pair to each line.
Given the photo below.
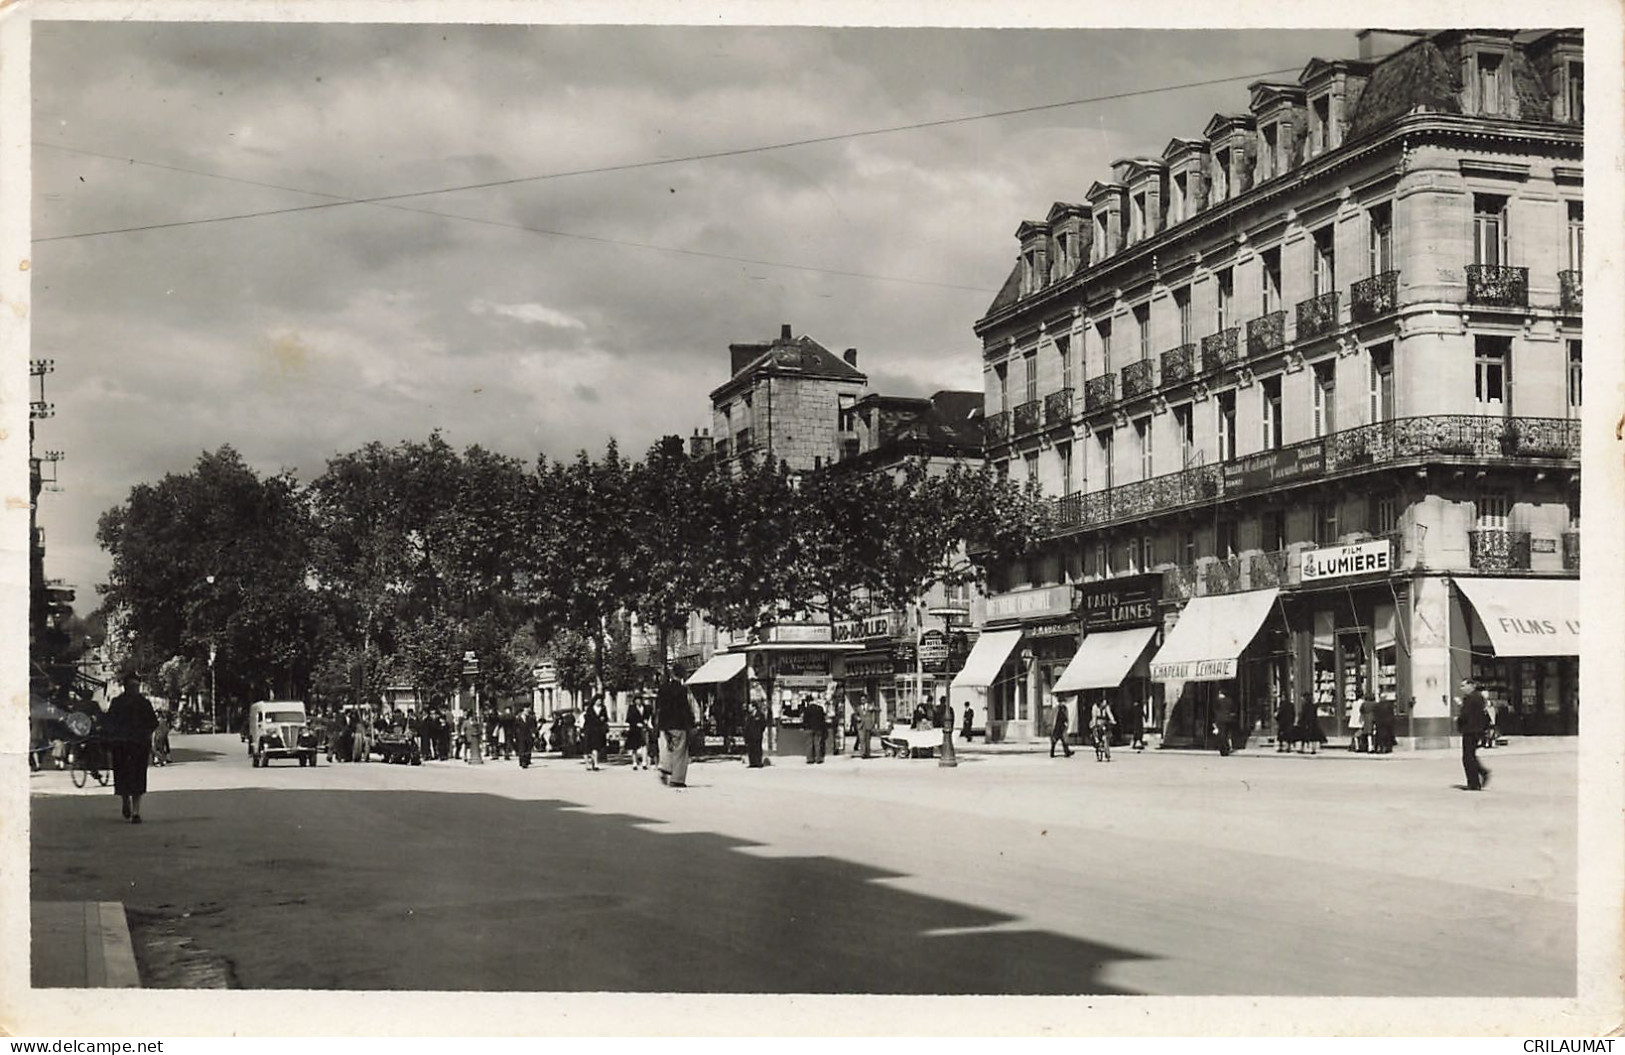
1301, 727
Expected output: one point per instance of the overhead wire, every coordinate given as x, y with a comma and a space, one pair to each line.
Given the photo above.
339, 201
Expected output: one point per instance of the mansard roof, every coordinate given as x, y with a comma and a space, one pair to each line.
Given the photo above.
1224, 122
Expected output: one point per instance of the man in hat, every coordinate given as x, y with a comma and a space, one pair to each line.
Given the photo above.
1471, 723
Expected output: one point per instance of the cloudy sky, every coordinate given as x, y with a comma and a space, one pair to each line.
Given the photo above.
551, 313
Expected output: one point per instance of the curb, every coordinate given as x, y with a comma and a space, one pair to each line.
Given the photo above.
82, 945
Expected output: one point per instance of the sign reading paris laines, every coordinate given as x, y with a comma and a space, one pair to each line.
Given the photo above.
1361, 558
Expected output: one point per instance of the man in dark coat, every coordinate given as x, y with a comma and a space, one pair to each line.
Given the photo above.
1471, 723
816, 724
1224, 720
674, 718
755, 727
524, 737
128, 727
1057, 731
1384, 742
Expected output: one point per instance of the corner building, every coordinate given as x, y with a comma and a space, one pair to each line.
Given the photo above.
1309, 384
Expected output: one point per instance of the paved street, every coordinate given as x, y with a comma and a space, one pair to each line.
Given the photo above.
1163, 873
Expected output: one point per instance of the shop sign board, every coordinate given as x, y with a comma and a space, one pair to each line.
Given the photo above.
1542, 545
1067, 628
870, 665
933, 651
790, 664
1268, 468
886, 624
1028, 604
902, 654
1117, 604
1360, 558
1195, 670
799, 633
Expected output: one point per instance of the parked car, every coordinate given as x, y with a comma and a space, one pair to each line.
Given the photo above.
280, 729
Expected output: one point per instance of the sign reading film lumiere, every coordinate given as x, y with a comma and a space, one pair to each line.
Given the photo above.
1360, 558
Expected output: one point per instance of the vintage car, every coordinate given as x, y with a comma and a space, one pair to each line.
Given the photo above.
397, 749
279, 729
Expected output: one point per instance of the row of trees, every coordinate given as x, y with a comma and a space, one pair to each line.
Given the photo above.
397, 561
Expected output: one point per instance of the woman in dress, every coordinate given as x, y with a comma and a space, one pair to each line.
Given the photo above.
595, 727
1285, 725
128, 728
1309, 730
637, 737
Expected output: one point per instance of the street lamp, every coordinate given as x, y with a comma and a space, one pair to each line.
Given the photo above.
214, 697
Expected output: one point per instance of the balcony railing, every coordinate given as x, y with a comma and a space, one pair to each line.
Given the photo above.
1221, 576
1569, 291
1317, 316
996, 428
1139, 378
1179, 364
1498, 286
1495, 549
1571, 550
1372, 298
1069, 510
1058, 408
1351, 450
1266, 334
1266, 569
1099, 392
1027, 417
1219, 351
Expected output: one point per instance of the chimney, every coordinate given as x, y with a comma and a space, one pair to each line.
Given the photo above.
851, 357
784, 332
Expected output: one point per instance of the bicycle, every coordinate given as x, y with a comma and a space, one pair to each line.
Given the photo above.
89, 757
1101, 735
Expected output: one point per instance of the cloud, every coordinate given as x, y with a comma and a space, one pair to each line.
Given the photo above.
537, 314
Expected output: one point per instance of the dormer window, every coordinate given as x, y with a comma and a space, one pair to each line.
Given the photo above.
1574, 92
1137, 220
1221, 175
1267, 167
1320, 125
1491, 84
1181, 195
1098, 249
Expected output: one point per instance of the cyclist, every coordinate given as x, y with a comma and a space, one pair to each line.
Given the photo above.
1101, 722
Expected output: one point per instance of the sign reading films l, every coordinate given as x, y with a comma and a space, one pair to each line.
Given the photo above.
1361, 558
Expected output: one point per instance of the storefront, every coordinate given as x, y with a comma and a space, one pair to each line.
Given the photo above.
871, 666
989, 679
1120, 620
1046, 650
1524, 638
1347, 620
1203, 655
1020, 701
718, 688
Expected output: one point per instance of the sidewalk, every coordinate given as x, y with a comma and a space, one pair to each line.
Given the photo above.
82, 945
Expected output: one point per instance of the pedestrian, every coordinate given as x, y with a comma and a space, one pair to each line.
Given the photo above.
128, 728
1284, 725
1224, 717
1492, 717
1101, 723
1309, 730
637, 737
595, 730
471, 741
755, 726
1471, 722
674, 717
964, 731
426, 735
1136, 724
1368, 722
524, 738
359, 747
1057, 731
1383, 716
865, 719
816, 724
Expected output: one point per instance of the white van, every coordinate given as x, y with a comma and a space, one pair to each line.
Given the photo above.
278, 729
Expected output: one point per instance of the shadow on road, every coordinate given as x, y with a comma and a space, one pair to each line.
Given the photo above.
416, 890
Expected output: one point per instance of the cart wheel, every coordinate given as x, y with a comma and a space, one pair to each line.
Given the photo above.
104, 777
79, 773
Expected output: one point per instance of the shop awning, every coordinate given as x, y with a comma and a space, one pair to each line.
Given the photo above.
986, 657
1210, 636
724, 666
1104, 659
1527, 617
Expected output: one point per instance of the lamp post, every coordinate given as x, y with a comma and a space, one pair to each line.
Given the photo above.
214, 697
